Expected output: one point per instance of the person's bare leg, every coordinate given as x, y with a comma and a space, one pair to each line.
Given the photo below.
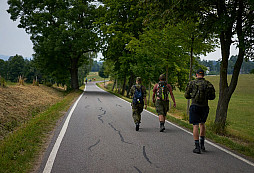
196, 138
202, 136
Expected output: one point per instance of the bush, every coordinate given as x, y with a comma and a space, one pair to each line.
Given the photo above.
2, 82
252, 71
48, 84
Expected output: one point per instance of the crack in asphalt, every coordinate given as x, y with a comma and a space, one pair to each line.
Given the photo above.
87, 106
144, 153
118, 105
89, 148
101, 115
137, 169
99, 100
147, 159
121, 136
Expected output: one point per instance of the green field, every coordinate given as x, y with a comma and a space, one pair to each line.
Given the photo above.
95, 76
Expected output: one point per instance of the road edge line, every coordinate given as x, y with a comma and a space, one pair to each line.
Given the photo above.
52, 156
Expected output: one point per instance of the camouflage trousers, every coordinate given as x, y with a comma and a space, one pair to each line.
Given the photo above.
137, 109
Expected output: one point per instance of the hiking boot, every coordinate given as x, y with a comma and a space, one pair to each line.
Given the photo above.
137, 126
202, 147
197, 149
162, 128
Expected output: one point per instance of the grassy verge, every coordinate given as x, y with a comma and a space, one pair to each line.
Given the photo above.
178, 116
20, 149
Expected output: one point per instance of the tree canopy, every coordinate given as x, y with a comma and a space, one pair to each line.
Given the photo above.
62, 33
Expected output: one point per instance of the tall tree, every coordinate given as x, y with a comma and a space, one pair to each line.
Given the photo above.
16, 66
61, 31
121, 20
226, 20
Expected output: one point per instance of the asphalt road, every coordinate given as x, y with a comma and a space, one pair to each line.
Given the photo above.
100, 136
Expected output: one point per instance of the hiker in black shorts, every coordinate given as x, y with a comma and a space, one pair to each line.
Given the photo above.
200, 91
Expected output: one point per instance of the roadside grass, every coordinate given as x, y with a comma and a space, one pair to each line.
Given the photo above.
21, 149
240, 130
96, 76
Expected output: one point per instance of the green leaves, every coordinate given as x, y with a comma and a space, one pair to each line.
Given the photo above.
62, 32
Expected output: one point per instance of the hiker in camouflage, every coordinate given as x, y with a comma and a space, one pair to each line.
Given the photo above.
138, 92
200, 91
161, 100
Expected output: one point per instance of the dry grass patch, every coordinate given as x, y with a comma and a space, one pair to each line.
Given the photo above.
19, 103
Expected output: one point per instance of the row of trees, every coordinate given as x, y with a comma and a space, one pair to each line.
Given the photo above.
214, 66
138, 38
146, 38
17, 67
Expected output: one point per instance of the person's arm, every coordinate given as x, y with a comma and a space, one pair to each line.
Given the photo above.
172, 95
154, 92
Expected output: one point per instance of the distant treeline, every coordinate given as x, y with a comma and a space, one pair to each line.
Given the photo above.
96, 66
214, 66
17, 66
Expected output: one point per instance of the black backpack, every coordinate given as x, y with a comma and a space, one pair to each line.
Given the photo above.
138, 96
202, 91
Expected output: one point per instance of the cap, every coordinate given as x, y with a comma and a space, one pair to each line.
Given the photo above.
200, 71
162, 77
138, 79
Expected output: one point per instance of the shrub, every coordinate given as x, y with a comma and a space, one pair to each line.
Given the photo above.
2, 82
252, 71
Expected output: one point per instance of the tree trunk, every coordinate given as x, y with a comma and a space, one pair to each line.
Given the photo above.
190, 74
131, 82
124, 85
149, 95
167, 74
114, 85
225, 90
74, 74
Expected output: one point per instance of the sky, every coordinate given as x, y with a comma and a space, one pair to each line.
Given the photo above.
14, 40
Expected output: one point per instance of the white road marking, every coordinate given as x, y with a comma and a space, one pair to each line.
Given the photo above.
209, 142
52, 156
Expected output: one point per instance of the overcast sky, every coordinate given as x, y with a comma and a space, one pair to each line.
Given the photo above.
14, 40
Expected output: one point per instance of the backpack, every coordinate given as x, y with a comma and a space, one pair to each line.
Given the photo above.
138, 96
202, 91
162, 91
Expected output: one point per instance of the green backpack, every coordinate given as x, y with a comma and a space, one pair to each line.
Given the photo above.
202, 91
162, 91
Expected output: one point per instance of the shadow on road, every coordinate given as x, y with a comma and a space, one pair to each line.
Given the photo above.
98, 93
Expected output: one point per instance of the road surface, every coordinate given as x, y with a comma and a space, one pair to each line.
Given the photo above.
98, 135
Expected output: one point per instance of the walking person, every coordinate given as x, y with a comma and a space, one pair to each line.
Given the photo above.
161, 91
199, 91
138, 92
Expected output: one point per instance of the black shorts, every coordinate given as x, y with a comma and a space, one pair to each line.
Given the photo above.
198, 114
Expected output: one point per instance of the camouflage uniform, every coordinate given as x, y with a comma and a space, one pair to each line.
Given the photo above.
162, 106
137, 109
199, 110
